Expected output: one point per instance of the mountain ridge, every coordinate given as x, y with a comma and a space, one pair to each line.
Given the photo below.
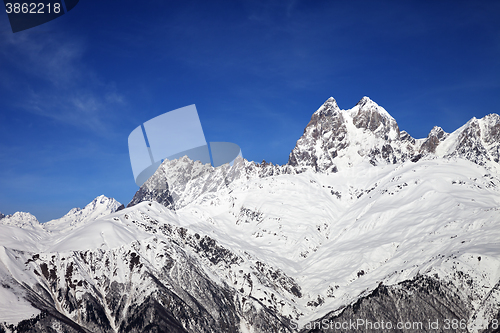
337, 138
334, 139
269, 248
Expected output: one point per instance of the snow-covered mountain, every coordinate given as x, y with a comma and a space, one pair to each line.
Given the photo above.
23, 231
100, 206
22, 220
336, 139
364, 224
333, 140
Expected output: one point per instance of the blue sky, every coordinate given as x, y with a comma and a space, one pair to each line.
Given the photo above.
73, 89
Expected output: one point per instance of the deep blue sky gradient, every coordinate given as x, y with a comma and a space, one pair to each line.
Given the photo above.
73, 89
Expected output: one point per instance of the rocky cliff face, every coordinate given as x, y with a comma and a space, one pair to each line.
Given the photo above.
179, 182
478, 141
336, 138
431, 305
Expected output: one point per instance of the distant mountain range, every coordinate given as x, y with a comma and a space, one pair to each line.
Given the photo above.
364, 229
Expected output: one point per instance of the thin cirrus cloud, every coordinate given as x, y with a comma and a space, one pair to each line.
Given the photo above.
47, 58
61, 87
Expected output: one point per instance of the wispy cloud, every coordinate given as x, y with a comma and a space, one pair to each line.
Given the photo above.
44, 56
48, 76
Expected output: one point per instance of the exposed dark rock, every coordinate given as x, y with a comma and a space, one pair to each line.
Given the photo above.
410, 306
435, 137
180, 297
160, 195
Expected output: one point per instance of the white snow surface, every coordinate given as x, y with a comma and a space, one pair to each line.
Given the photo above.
100, 206
337, 235
23, 231
390, 222
22, 220
13, 306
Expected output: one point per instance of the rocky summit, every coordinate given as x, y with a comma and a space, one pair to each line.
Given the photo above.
364, 229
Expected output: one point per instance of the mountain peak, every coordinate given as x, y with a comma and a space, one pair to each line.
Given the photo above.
435, 137
329, 108
437, 132
100, 206
493, 119
368, 105
103, 200
365, 100
22, 220
337, 137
